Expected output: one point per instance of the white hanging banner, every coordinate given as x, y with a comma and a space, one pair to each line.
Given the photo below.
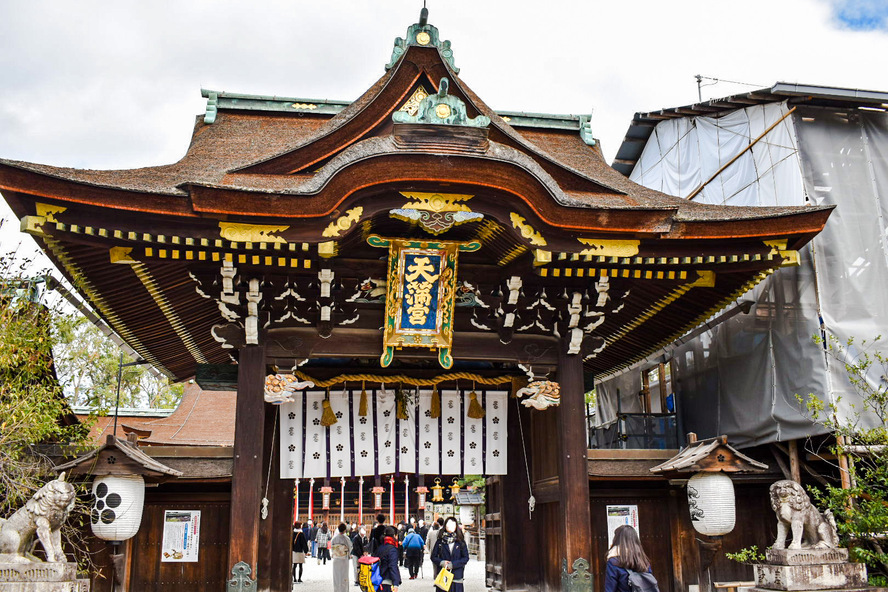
451, 438
364, 442
315, 436
385, 431
429, 438
291, 446
407, 438
381, 444
473, 438
340, 435
495, 405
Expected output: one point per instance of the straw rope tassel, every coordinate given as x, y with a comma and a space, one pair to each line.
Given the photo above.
435, 411
328, 418
402, 404
362, 408
475, 409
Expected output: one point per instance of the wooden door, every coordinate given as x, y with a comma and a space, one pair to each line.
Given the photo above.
150, 574
494, 547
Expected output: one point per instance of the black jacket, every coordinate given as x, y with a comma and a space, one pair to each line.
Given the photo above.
388, 564
360, 545
300, 545
459, 557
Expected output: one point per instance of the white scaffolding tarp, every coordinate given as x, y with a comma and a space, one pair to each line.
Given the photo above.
742, 377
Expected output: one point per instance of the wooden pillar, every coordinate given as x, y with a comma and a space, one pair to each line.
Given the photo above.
794, 470
573, 470
247, 477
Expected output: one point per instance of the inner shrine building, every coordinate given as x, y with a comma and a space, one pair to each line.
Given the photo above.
379, 280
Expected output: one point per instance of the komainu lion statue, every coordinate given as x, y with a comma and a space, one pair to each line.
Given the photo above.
810, 529
42, 515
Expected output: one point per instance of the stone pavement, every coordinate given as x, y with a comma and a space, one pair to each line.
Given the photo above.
319, 578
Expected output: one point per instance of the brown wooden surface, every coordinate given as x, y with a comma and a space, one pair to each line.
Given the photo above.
275, 532
246, 482
149, 574
572, 463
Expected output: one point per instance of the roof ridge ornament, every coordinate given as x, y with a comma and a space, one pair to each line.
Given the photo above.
424, 35
441, 109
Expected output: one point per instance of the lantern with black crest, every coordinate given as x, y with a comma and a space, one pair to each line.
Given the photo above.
120, 470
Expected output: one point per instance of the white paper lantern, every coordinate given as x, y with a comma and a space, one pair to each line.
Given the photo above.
711, 502
117, 506
467, 515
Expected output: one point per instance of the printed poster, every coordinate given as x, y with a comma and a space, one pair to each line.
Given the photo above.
618, 516
181, 536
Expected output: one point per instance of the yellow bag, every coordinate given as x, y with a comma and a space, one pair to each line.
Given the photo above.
444, 579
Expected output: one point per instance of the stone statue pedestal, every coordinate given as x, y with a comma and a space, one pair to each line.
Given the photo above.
809, 569
41, 577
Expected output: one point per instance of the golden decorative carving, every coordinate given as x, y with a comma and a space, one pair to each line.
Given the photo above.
327, 249
527, 231
541, 257
343, 223
776, 245
48, 211
238, 232
33, 225
609, 247
442, 110
412, 104
705, 279
121, 255
308, 106
423, 38
436, 202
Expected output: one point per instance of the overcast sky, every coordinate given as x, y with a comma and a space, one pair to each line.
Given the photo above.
116, 84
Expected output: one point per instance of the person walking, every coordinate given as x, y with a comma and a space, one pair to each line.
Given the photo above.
430, 544
377, 534
423, 530
340, 549
413, 546
388, 560
360, 548
308, 530
624, 554
299, 550
321, 539
451, 552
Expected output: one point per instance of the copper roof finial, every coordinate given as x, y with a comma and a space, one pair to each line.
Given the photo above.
423, 15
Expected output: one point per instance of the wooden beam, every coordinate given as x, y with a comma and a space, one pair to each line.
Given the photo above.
664, 392
573, 477
300, 343
246, 479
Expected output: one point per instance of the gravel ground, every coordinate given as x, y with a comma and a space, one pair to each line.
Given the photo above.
318, 578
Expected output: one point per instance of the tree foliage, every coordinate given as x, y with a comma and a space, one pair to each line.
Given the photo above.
88, 363
861, 511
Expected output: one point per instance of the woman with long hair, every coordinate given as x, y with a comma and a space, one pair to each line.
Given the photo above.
322, 538
300, 549
625, 554
451, 552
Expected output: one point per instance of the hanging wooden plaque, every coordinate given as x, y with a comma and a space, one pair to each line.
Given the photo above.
420, 295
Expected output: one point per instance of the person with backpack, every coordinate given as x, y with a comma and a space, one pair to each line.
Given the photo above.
452, 553
413, 545
388, 561
628, 567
